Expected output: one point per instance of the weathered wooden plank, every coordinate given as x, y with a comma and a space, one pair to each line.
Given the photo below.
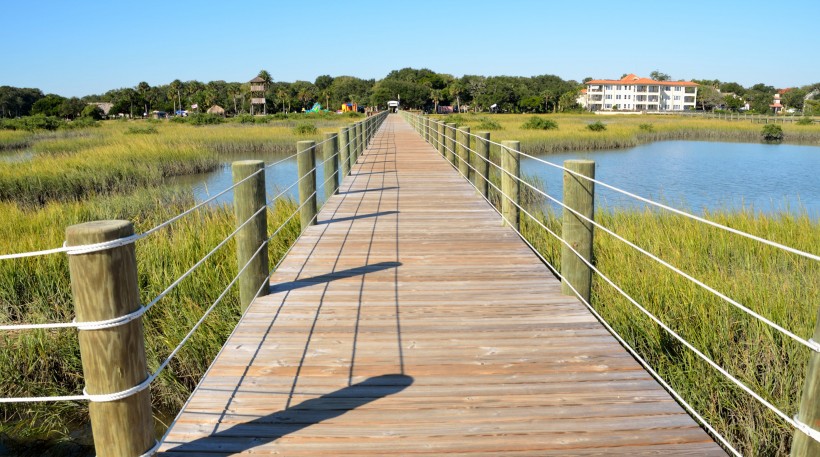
409, 321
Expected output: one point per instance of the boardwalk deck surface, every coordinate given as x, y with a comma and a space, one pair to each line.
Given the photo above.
410, 321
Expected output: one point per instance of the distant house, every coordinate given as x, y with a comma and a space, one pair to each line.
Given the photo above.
582, 99
445, 109
218, 110
776, 106
633, 93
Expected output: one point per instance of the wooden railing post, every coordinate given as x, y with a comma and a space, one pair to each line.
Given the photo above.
344, 151
441, 138
306, 166
354, 146
482, 163
104, 286
248, 198
510, 185
331, 168
426, 126
450, 134
464, 152
359, 140
809, 413
579, 194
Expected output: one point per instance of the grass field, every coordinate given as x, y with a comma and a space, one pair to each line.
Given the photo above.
622, 131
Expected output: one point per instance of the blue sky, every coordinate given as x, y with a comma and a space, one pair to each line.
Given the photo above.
77, 48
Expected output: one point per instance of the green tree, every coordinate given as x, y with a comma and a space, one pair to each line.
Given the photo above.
732, 102
658, 76
734, 88
323, 82
793, 98
142, 89
48, 105
709, 97
93, 111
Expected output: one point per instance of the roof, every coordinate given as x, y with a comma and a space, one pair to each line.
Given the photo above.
633, 79
583, 91
216, 109
257, 80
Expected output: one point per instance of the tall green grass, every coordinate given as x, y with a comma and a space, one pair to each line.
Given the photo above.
47, 362
781, 286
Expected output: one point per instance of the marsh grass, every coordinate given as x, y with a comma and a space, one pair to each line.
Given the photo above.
781, 286
46, 362
118, 157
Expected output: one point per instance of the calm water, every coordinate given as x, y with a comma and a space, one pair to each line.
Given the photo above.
277, 178
698, 175
694, 175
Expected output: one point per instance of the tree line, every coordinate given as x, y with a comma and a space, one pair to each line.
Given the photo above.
417, 88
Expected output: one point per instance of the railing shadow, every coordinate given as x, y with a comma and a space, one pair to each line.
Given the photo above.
270, 428
336, 275
358, 216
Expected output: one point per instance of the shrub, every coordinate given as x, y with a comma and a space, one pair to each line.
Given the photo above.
804, 121
597, 126
262, 119
488, 124
204, 119
137, 130
304, 129
772, 133
646, 127
32, 123
354, 114
179, 120
539, 123
244, 119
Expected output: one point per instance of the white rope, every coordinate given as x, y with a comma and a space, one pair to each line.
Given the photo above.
151, 452
810, 344
85, 249
812, 433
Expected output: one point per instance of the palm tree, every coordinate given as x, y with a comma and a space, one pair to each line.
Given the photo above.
436, 96
282, 94
176, 86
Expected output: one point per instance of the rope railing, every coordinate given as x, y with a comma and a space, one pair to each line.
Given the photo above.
350, 151
810, 344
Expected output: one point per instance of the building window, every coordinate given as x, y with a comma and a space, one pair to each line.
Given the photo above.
608, 87
607, 106
609, 96
618, 97
678, 88
677, 97
677, 107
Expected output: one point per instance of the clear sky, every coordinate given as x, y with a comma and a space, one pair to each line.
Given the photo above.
76, 48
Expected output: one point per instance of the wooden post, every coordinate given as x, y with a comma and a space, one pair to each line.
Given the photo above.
809, 413
510, 185
104, 286
344, 151
359, 140
354, 146
306, 166
579, 194
450, 135
464, 152
331, 167
441, 138
482, 163
248, 198
425, 125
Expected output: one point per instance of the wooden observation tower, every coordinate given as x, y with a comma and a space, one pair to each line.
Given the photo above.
258, 88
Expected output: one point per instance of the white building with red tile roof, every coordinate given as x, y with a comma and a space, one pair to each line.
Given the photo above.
633, 93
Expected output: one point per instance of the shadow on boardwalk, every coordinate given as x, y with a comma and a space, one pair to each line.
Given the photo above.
267, 429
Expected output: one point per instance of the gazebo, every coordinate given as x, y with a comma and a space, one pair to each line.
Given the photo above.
218, 110
258, 88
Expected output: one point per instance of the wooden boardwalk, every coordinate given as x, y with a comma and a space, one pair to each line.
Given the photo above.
410, 321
